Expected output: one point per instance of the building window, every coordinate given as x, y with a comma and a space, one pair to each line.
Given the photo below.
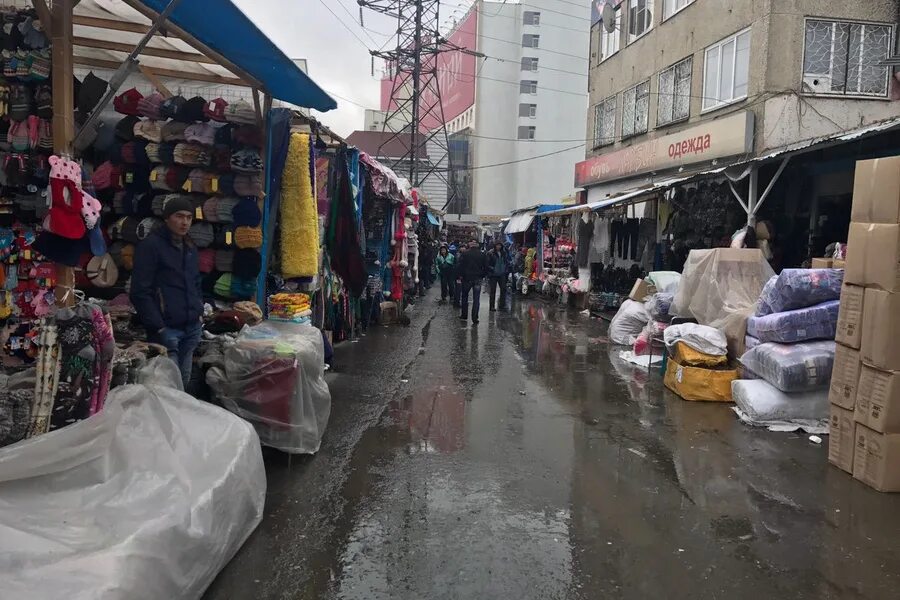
609, 41
529, 63
530, 40
635, 109
670, 7
527, 86
726, 71
526, 132
842, 58
605, 122
640, 18
531, 17
675, 92
528, 110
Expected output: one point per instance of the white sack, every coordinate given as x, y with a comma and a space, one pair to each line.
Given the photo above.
701, 338
759, 403
628, 323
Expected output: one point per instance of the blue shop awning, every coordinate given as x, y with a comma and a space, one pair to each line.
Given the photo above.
224, 28
433, 220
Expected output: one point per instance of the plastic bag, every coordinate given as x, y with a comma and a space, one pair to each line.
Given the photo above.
147, 499
765, 405
628, 323
701, 338
658, 306
792, 367
274, 377
651, 335
665, 281
799, 288
811, 323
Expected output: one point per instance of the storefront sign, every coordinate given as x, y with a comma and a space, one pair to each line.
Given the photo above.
729, 136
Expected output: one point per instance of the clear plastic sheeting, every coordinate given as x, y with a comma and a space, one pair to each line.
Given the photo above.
721, 287
701, 338
148, 499
274, 377
659, 306
799, 288
760, 404
628, 323
665, 281
792, 367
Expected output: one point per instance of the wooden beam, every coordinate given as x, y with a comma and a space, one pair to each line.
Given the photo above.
112, 24
63, 86
151, 76
171, 73
148, 51
46, 19
257, 107
196, 44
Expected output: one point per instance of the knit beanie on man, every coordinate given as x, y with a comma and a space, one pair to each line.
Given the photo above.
176, 203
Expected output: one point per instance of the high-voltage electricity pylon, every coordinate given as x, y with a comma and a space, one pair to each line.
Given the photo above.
415, 114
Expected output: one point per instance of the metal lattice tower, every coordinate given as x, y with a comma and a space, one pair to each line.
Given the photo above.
415, 100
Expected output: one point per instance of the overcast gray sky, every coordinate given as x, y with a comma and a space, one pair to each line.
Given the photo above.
338, 61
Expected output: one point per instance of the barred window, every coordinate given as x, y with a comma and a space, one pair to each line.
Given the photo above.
675, 92
842, 58
635, 109
605, 122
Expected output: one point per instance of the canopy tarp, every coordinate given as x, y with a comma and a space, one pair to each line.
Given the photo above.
520, 222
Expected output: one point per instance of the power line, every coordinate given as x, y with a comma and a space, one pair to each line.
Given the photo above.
514, 162
519, 43
353, 33
365, 29
540, 67
550, 10
585, 31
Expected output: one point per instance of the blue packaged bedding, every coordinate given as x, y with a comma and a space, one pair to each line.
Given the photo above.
799, 288
817, 322
792, 367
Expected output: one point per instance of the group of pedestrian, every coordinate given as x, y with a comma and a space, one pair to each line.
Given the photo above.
463, 273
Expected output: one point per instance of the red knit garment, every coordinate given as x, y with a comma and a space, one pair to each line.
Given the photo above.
65, 217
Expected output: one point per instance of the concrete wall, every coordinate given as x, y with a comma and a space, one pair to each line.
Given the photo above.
776, 52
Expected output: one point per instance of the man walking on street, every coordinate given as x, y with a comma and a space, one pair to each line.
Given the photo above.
472, 269
498, 272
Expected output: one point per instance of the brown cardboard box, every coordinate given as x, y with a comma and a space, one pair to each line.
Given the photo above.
876, 191
821, 263
844, 377
841, 438
641, 290
850, 317
873, 256
881, 330
838, 264
878, 400
876, 459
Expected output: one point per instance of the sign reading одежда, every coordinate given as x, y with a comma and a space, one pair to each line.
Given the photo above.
728, 136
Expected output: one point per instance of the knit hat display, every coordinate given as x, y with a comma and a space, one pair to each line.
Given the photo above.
242, 288
90, 92
128, 257
240, 112
200, 133
43, 102
223, 286
174, 131
248, 135
224, 260
248, 185
246, 213
125, 128
221, 157
210, 209
136, 178
149, 106
224, 236
115, 250
174, 203
126, 103
192, 155
207, 260
192, 110
215, 109
148, 130
140, 154
147, 226
248, 237
20, 101
197, 202
247, 263
126, 153
128, 230
170, 107
225, 209
246, 161
106, 136
152, 151
223, 134
106, 175
167, 153
201, 181
226, 184
176, 176
158, 178
203, 234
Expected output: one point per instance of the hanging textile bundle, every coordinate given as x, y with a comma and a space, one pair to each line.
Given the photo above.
299, 215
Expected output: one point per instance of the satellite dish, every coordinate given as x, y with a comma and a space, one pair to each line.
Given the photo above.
608, 14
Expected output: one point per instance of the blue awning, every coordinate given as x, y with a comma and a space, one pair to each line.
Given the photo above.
223, 27
432, 219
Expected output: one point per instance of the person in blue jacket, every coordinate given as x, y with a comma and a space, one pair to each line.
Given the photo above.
165, 286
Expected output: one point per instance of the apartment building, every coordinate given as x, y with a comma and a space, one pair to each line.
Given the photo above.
682, 86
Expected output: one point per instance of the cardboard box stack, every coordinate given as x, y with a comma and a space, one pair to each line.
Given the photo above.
866, 379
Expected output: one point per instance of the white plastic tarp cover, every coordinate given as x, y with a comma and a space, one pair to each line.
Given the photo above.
148, 499
763, 405
274, 377
701, 338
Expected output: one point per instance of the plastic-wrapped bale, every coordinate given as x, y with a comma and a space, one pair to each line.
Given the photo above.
659, 305
274, 377
817, 322
792, 367
762, 404
701, 338
628, 323
751, 342
799, 288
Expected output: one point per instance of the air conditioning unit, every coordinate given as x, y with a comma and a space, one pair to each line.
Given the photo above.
817, 84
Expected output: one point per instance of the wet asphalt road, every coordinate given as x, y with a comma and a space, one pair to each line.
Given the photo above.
522, 459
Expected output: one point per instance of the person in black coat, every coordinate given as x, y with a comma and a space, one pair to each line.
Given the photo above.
498, 267
472, 270
165, 286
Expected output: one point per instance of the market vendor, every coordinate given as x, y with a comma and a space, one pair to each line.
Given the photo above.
165, 285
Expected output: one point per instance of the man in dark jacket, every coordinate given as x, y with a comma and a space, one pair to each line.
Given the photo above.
472, 269
498, 272
165, 286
